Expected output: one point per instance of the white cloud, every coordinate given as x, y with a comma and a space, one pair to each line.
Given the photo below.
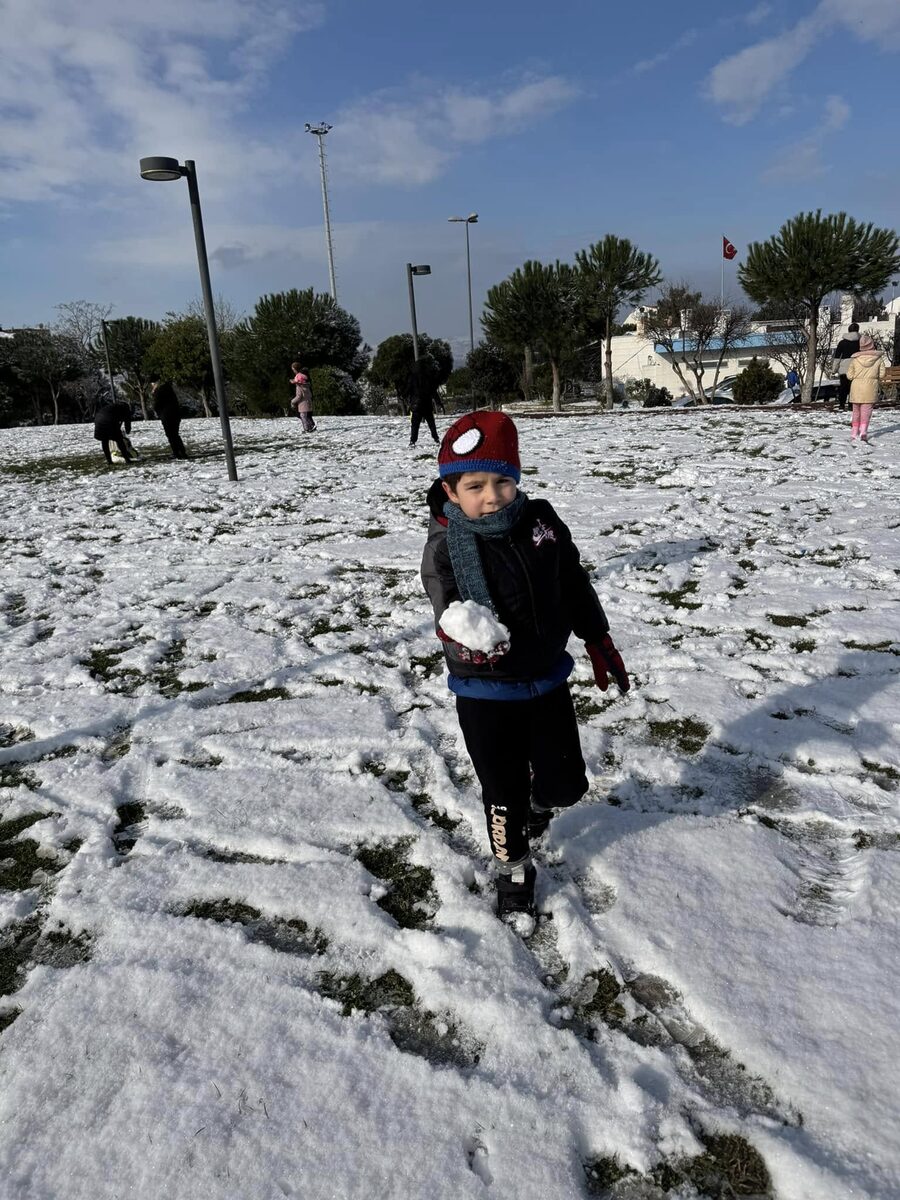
394, 138
757, 15
87, 89
742, 82
803, 160
648, 64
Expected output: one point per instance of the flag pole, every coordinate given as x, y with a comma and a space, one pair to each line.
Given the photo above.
723, 271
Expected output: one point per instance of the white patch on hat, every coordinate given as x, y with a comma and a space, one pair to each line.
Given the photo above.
466, 442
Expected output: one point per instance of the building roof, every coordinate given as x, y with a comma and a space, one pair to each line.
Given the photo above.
751, 342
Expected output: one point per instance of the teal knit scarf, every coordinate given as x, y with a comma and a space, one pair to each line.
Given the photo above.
462, 541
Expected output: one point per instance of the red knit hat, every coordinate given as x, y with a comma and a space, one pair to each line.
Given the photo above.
481, 441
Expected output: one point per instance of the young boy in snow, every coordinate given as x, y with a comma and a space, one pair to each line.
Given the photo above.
488, 543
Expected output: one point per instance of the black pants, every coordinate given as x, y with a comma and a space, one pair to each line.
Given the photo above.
522, 749
170, 426
117, 438
417, 419
843, 390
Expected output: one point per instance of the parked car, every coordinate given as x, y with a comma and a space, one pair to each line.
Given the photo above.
725, 382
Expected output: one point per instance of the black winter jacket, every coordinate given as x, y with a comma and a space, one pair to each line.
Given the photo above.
165, 402
541, 591
109, 419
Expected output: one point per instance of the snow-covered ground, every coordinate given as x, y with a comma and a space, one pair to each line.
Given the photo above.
227, 701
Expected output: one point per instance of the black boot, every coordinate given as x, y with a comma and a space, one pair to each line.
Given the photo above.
515, 892
538, 821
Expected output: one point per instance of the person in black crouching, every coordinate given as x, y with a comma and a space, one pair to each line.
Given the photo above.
515, 559
108, 422
167, 408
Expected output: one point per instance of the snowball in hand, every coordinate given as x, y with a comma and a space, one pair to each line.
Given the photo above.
473, 626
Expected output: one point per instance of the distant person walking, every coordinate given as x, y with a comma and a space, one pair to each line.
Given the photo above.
167, 408
846, 348
864, 373
302, 400
421, 407
792, 379
108, 422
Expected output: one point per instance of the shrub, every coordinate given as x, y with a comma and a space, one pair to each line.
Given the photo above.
647, 394
757, 383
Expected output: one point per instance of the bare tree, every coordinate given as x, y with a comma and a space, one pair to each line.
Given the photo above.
789, 346
227, 316
696, 334
80, 320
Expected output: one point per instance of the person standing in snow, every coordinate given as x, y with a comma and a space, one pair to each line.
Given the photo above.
302, 400
422, 408
864, 373
792, 379
108, 422
167, 408
846, 348
513, 556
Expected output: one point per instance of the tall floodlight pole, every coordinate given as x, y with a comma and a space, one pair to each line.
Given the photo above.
319, 131
471, 219
163, 169
422, 269
112, 386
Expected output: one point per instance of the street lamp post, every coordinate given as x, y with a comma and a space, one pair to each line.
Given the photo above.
163, 169
422, 269
471, 219
112, 386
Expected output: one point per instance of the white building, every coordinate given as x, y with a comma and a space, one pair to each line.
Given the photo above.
635, 356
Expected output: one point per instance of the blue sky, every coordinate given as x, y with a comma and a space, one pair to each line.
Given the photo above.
557, 123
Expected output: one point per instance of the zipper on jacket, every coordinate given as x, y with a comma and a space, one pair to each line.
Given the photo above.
518, 553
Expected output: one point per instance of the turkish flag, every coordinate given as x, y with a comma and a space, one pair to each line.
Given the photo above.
728, 249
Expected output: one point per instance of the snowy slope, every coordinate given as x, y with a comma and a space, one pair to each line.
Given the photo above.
226, 701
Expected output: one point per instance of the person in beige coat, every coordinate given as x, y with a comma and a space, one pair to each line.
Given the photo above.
865, 372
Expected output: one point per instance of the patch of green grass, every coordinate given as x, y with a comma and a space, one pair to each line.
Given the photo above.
886, 777
288, 935
373, 533
165, 674
7, 1017
787, 621
126, 832
804, 645
356, 994
14, 735
687, 734
412, 1029
879, 647
13, 775
729, 1167
254, 697
585, 706
602, 1172
412, 900
21, 859
676, 597
425, 807
759, 641
431, 664
27, 943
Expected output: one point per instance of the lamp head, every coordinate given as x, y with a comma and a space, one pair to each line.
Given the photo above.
161, 169
472, 218
422, 269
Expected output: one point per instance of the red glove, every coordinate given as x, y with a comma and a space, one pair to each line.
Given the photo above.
478, 657
606, 661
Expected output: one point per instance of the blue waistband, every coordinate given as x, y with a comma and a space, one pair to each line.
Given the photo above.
479, 687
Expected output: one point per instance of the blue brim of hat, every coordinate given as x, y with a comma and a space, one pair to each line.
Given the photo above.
494, 465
